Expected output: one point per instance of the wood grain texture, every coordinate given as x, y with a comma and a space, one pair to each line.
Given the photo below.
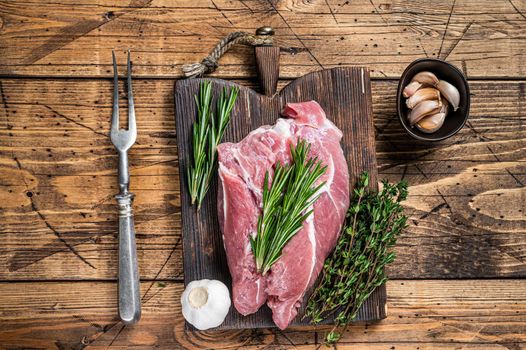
267, 62
348, 108
366, 346
58, 180
75, 38
426, 314
57, 167
459, 189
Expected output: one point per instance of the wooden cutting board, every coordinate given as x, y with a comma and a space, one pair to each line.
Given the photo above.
345, 95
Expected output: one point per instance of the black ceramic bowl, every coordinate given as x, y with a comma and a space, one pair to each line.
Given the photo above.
455, 120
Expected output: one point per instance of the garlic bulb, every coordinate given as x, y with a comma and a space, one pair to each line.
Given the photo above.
205, 303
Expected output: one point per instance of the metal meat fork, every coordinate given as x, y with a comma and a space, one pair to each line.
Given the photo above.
129, 294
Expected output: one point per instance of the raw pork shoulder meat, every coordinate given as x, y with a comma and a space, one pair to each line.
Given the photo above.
242, 168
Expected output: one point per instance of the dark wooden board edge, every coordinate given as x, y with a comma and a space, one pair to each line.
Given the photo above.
265, 110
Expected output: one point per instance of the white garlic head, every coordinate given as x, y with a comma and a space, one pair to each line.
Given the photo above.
205, 303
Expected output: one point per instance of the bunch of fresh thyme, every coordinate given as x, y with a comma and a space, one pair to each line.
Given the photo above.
286, 204
357, 265
208, 131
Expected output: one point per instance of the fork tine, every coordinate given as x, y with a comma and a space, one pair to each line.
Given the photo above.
131, 106
115, 114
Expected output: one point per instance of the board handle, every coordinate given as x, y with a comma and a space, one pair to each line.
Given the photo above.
267, 61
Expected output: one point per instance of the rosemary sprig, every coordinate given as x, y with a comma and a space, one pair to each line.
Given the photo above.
357, 265
207, 133
286, 204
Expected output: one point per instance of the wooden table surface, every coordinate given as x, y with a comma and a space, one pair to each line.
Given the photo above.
458, 281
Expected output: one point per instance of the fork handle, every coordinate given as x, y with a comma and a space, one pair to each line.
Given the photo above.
124, 175
129, 292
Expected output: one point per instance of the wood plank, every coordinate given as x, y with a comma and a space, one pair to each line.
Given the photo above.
73, 188
425, 314
349, 109
60, 187
71, 38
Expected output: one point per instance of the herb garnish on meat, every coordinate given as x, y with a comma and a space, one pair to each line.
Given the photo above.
286, 204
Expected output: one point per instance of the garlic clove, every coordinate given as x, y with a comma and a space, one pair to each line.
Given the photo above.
411, 88
423, 94
425, 77
431, 123
423, 109
205, 303
450, 93
445, 107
